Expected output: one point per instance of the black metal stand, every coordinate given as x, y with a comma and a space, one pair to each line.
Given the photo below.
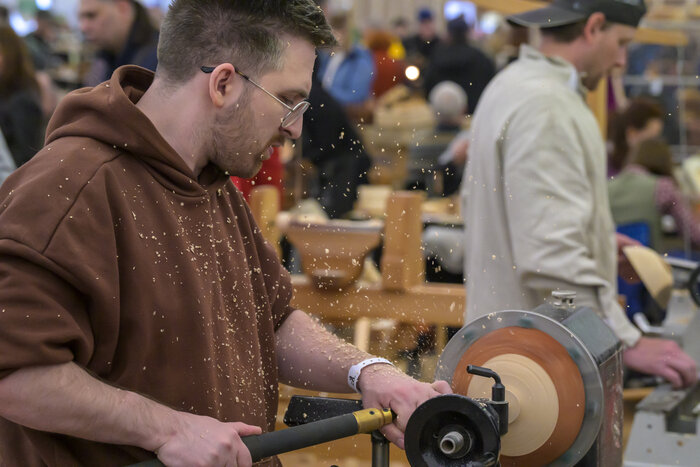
380, 450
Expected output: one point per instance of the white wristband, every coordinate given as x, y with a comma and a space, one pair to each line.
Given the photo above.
354, 373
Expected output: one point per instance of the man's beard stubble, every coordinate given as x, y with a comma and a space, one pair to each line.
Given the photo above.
589, 81
232, 143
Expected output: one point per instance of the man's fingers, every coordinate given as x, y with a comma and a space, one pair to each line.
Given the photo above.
403, 409
672, 376
402, 419
442, 387
243, 458
246, 430
685, 367
393, 434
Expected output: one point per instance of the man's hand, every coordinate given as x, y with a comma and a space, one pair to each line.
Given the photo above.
204, 441
663, 358
383, 387
624, 268
460, 153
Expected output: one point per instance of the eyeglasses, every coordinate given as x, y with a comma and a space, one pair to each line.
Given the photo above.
294, 113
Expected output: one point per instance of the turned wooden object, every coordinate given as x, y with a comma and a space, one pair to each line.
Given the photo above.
402, 263
265, 204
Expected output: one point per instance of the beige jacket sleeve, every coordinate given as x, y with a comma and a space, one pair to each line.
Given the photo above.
559, 240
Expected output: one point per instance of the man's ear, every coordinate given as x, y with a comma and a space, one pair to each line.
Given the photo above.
594, 25
224, 85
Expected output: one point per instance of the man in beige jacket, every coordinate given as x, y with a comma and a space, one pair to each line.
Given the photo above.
536, 208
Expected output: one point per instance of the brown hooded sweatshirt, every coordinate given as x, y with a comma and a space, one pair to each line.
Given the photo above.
114, 256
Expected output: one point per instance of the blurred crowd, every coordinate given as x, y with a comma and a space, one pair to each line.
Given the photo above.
421, 71
39, 68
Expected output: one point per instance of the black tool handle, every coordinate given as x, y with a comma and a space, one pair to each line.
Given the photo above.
302, 436
291, 439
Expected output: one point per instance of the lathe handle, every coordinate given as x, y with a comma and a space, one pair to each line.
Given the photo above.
302, 436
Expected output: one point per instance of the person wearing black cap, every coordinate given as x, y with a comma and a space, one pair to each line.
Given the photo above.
420, 47
535, 193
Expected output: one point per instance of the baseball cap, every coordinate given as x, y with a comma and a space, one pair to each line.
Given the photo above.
565, 12
425, 14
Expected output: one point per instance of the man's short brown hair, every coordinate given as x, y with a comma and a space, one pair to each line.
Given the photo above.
247, 33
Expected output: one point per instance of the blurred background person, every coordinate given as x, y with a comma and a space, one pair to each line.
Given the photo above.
347, 73
646, 190
399, 31
420, 46
121, 33
7, 165
41, 41
641, 120
440, 160
21, 117
331, 143
389, 71
436, 161
450, 103
457, 60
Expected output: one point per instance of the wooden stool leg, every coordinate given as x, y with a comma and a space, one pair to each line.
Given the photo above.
265, 204
362, 334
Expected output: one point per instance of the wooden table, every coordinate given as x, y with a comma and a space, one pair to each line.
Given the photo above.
441, 304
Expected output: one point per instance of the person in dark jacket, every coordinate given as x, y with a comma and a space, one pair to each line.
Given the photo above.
460, 62
21, 119
330, 142
420, 47
41, 42
122, 33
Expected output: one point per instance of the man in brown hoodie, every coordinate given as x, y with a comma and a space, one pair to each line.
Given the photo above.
141, 310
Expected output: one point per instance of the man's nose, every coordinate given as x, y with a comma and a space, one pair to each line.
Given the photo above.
293, 131
622, 58
84, 26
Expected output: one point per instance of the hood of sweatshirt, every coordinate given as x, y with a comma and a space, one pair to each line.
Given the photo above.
107, 113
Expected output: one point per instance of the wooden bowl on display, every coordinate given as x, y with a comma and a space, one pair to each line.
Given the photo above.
333, 252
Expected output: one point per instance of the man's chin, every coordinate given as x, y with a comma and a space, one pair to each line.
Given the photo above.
245, 173
591, 83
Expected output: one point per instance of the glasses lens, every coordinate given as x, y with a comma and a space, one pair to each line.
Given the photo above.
295, 114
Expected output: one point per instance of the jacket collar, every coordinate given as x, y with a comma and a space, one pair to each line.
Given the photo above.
561, 69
